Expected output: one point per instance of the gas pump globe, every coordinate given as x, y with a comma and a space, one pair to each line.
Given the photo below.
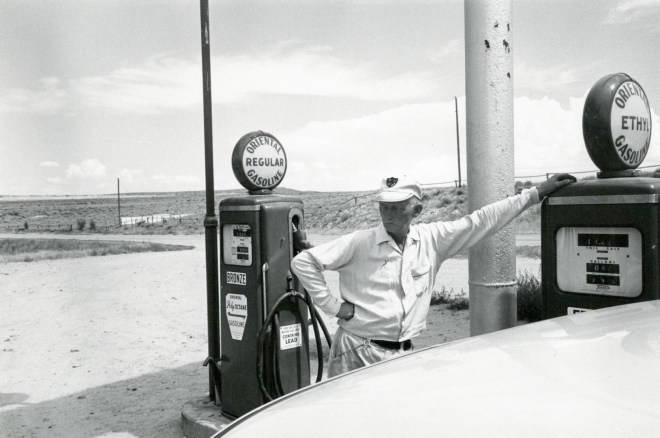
601, 237
616, 124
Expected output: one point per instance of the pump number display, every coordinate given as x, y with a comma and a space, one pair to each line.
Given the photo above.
237, 244
600, 261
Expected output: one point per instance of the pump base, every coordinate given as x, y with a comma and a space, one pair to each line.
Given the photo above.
201, 418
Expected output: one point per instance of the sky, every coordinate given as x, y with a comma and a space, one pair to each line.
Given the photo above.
93, 91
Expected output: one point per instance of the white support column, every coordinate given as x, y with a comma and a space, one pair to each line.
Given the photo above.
489, 110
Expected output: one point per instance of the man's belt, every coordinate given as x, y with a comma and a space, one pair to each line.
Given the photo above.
403, 345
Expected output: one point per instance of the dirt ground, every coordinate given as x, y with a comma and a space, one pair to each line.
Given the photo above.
113, 346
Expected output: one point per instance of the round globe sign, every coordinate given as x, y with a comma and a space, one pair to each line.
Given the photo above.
259, 161
616, 123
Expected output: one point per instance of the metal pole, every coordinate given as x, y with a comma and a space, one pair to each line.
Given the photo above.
489, 128
118, 203
211, 220
458, 143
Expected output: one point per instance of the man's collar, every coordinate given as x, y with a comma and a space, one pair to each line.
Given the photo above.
383, 236
413, 233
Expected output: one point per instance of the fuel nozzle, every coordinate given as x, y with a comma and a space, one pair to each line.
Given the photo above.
300, 242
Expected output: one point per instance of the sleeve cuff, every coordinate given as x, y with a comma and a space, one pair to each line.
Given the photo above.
333, 306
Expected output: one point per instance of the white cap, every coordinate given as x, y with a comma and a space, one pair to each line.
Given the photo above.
398, 189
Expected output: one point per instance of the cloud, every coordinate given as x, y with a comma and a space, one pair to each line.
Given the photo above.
316, 72
628, 11
160, 84
48, 96
49, 164
176, 182
90, 169
452, 48
134, 180
355, 154
188, 179
420, 140
548, 138
55, 180
554, 78
129, 175
165, 83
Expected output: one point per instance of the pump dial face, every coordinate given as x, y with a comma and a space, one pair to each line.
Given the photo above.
600, 261
237, 244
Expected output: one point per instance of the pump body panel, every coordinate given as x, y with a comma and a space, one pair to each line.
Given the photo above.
256, 249
600, 241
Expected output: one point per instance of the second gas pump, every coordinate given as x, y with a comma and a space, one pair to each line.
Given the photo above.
264, 313
601, 237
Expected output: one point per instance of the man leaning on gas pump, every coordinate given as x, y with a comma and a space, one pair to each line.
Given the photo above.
386, 274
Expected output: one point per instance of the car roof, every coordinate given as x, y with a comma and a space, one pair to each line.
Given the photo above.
590, 374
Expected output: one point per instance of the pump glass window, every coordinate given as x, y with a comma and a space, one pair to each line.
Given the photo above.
600, 261
237, 244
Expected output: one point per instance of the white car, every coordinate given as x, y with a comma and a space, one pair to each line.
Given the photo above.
594, 374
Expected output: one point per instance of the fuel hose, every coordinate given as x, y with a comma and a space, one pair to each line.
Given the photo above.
272, 319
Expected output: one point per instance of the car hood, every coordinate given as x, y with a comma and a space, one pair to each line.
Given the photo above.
591, 374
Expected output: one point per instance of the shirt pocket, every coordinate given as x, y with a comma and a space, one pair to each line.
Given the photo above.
420, 275
386, 270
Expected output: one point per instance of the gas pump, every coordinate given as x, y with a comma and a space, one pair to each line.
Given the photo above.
263, 311
601, 238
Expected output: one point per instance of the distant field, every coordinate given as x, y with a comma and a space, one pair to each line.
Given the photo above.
325, 212
30, 250
100, 214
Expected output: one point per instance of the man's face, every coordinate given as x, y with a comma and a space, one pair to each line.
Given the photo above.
397, 216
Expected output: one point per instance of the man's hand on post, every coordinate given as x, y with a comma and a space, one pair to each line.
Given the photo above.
556, 181
346, 311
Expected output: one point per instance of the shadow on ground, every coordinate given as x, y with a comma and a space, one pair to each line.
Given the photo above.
146, 406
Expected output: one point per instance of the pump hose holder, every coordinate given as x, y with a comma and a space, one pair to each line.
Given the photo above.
215, 373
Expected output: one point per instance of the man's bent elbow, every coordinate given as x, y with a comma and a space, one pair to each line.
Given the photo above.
298, 263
